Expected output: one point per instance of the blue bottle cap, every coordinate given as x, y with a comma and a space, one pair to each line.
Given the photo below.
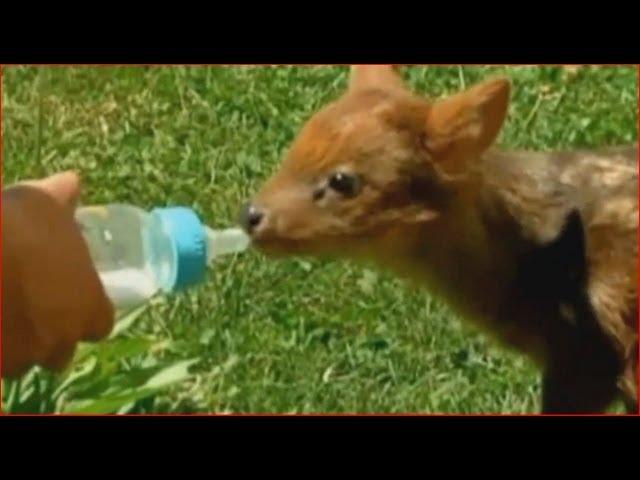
188, 236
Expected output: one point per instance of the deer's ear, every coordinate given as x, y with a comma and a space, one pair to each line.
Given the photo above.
375, 76
463, 126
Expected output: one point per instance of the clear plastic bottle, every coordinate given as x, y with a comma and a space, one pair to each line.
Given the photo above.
139, 253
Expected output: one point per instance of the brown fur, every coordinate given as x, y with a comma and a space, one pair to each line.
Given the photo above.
438, 206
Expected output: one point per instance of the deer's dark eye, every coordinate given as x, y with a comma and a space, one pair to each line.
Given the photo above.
345, 184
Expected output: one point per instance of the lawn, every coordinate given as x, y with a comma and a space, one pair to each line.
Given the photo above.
261, 336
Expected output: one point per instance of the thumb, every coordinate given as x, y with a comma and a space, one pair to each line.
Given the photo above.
63, 187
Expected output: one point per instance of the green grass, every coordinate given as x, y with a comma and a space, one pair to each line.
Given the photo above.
286, 336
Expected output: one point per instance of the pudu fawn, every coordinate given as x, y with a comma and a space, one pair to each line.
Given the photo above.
538, 249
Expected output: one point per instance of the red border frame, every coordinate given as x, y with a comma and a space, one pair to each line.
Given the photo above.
2, 183
2, 66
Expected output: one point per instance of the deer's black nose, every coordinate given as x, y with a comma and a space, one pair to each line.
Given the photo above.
250, 217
